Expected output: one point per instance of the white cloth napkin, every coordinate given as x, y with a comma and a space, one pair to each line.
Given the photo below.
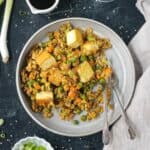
139, 110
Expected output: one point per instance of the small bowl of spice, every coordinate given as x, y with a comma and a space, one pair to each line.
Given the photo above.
42, 6
32, 143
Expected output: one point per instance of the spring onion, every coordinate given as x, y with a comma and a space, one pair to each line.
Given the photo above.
2, 135
4, 29
1, 2
32, 146
22, 13
1, 121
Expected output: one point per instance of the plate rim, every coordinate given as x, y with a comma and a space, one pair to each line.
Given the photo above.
22, 53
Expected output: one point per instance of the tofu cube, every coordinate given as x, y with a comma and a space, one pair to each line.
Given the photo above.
45, 60
90, 48
85, 72
44, 98
74, 38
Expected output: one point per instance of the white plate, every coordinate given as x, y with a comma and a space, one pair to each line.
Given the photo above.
122, 65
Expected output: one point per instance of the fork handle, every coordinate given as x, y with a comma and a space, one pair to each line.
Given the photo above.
106, 133
131, 130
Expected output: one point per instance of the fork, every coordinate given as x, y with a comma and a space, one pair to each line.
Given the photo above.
131, 130
106, 132
106, 135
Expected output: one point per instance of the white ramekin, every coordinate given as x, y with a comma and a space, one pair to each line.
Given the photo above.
42, 11
36, 140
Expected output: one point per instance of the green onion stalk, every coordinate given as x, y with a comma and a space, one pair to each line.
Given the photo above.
3, 36
1, 2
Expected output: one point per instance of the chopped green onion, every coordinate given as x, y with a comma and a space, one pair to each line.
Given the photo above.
1, 2
75, 122
2, 135
22, 13
29, 146
32, 146
1, 121
40, 148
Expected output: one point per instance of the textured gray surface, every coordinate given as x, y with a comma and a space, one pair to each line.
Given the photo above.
120, 15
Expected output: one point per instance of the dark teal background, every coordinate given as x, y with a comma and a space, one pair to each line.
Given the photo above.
120, 15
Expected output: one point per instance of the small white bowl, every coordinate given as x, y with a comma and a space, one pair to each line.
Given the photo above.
42, 11
34, 139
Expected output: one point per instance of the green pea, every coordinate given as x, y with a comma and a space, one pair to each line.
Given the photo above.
75, 122
102, 81
80, 84
77, 111
83, 96
83, 118
51, 36
44, 44
83, 58
99, 67
70, 73
91, 38
58, 57
60, 88
68, 62
91, 85
30, 83
73, 60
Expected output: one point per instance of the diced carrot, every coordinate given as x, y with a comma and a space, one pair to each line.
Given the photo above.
78, 100
42, 102
107, 72
72, 92
50, 48
32, 76
37, 86
56, 34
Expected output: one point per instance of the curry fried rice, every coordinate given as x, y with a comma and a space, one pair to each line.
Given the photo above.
62, 72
